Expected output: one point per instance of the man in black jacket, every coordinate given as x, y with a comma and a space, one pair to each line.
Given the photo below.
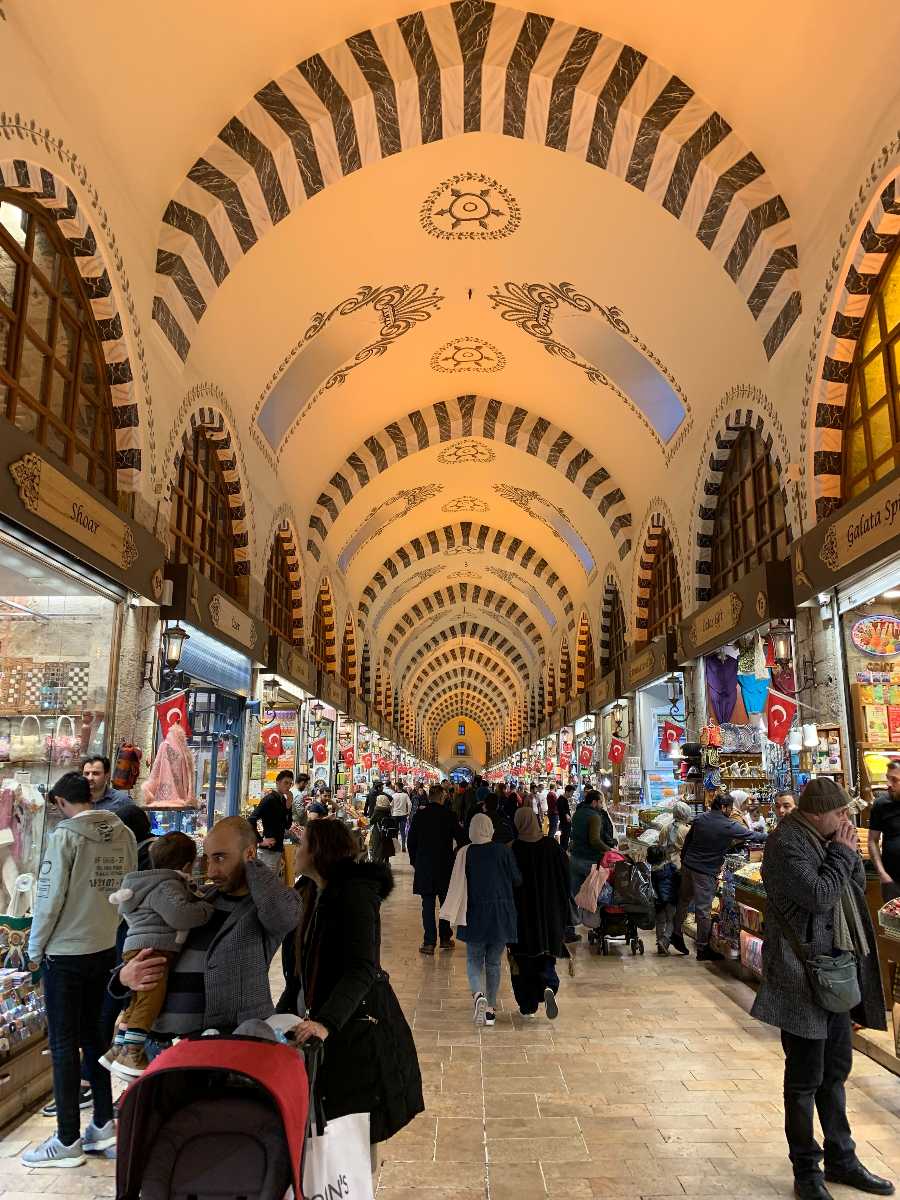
709, 839
275, 813
432, 842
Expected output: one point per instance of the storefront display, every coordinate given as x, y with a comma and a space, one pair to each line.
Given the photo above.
658, 691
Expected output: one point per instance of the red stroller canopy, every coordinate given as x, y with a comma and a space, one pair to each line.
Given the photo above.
278, 1069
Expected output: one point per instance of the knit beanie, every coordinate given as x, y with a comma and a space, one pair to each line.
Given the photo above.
822, 795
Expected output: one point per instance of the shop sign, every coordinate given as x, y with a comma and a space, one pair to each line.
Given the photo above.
763, 594
651, 662
228, 618
196, 600
357, 710
558, 719
603, 692
877, 635
859, 536
333, 693
576, 708
284, 660
714, 621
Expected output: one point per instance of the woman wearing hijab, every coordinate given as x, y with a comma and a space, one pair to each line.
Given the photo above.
542, 909
481, 898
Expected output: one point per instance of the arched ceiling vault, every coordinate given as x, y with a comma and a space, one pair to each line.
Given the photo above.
460, 655
471, 635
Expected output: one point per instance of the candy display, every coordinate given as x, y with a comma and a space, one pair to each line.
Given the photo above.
23, 1015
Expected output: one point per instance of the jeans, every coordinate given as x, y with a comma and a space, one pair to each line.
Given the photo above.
814, 1073
428, 921
483, 961
554, 826
702, 890
402, 823
531, 976
74, 987
665, 923
565, 830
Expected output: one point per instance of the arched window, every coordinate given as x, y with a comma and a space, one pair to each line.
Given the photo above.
200, 523
278, 605
750, 525
551, 690
565, 673
872, 414
323, 629
615, 653
585, 669
665, 591
53, 378
348, 656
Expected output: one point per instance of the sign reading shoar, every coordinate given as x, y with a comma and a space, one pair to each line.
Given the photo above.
52, 496
229, 619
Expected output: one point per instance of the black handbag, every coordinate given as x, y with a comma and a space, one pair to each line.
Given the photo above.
833, 978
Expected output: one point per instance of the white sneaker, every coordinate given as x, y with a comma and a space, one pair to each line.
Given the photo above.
97, 1139
480, 1007
52, 1153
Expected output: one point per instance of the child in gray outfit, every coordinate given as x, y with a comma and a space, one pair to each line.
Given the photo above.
159, 907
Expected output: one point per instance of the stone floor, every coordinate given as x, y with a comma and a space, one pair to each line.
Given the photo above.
653, 1082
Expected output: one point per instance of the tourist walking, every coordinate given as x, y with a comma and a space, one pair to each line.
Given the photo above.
543, 909
433, 839
275, 813
481, 899
564, 809
592, 836
816, 906
400, 810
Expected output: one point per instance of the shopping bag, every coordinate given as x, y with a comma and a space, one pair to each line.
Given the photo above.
338, 1162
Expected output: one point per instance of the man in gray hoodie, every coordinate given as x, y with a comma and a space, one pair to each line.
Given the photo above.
73, 938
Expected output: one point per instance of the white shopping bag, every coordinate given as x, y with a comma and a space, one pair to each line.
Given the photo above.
338, 1164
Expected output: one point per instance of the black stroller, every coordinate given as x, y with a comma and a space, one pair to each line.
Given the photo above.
631, 907
215, 1118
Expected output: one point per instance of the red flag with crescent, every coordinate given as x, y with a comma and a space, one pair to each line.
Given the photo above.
320, 750
271, 740
367, 761
780, 713
669, 736
564, 761
383, 764
549, 765
348, 756
616, 752
586, 756
174, 712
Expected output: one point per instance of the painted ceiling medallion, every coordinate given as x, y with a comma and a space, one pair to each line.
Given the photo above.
465, 504
470, 207
468, 354
467, 451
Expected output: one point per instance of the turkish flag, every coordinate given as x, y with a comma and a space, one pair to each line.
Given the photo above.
383, 764
564, 761
320, 750
549, 765
616, 752
271, 740
586, 756
669, 736
780, 713
348, 756
367, 761
174, 712
403, 769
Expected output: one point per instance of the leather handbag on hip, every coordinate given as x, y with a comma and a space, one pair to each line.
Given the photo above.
834, 979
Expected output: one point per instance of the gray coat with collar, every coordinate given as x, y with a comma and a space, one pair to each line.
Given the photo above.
805, 887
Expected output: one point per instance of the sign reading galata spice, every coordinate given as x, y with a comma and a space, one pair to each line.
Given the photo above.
54, 498
863, 529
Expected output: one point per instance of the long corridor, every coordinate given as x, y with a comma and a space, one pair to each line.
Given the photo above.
653, 1082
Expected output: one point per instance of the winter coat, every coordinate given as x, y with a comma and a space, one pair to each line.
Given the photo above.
381, 837
666, 883
543, 902
157, 906
433, 839
276, 814
805, 890
84, 862
592, 833
711, 836
491, 876
370, 1062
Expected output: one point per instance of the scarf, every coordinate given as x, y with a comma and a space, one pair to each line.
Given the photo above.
527, 825
849, 929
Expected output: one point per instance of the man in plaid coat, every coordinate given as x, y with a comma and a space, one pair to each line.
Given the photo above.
815, 884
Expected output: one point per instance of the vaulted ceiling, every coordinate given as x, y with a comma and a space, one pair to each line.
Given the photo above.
470, 281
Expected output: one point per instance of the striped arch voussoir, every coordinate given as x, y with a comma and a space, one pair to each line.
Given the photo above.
213, 425
459, 656
462, 68
445, 599
283, 529
348, 653
728, 430
659, 518
40, 185
875, 243
325, 605
478, 417
471, 633
583, 651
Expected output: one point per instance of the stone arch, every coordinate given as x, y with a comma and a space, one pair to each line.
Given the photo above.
220, 432
378, 693
462, 68
454, 697
585, 658
348, 654
874, 240
458, 653
469, 632
659, 517
742, 408
55, 195
565, 671
448, 666
473, 683
324, 611
552, 697
365, 672
450, 540
284, 528
470, 707
612, 588
445, 599
470, 417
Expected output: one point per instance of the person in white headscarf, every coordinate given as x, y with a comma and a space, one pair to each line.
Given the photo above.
482, 902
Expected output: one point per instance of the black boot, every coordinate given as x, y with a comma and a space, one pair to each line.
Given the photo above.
858, 1177
812, 1189
676, 941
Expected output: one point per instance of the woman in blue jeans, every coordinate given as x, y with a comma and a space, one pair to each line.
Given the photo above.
491, 874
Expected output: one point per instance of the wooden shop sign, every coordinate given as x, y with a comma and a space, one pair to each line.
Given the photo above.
763, 594
198, 601
650, 661
858, 536
290, 664
604, 692
332, 692
576, 707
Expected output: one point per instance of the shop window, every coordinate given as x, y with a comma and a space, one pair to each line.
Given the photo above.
615, 654
872, 413
200, 523
665, 591
750, 525
278, 605
53, 383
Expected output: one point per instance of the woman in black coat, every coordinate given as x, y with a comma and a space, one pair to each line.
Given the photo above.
370, 1062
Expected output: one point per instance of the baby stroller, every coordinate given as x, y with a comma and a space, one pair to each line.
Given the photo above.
214, 1118
629, 907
